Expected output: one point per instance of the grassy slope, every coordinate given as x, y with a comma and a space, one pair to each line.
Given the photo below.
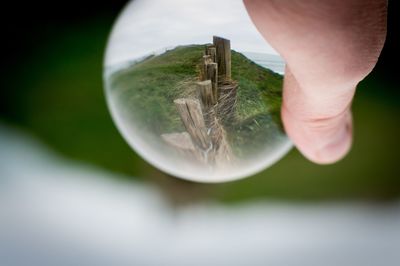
151, 86
56, 93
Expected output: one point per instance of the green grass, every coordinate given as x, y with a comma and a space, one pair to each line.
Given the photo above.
151, 86
145, 92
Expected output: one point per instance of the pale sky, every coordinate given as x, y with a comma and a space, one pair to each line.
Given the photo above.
147, 26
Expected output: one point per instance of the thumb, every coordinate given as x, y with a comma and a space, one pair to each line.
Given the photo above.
322, 132
329, 46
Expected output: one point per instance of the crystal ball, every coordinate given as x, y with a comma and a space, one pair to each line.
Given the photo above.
195, 89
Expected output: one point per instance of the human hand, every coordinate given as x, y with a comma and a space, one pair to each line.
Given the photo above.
329, 47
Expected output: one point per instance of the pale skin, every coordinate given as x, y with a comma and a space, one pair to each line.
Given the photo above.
329, 47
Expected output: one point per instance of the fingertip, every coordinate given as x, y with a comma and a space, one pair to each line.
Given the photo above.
336, 149
322, 142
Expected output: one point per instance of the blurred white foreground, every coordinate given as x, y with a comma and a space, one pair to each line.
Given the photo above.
57, 212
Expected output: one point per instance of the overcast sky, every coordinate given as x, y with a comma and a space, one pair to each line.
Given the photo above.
147, 26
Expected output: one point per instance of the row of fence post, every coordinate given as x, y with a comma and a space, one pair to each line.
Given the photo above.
205, 137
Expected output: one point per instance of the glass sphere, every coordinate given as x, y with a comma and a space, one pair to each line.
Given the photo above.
195, 89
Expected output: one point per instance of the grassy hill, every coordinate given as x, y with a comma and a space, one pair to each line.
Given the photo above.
147, 91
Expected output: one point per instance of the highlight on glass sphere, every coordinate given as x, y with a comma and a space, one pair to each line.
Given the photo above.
194, 88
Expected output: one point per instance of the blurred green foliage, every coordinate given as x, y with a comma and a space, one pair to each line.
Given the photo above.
57, 95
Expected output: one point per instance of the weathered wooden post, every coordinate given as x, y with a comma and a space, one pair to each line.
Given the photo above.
193, 120
206, 93
223, 52
207, 59
209, 71
212, 52
212, 74
205, 138
203, 73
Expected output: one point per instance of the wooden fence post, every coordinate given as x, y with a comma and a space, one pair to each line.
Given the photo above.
212, 74
206, 93
193, 120
212, 52
223, 51
206, 60
205, 138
